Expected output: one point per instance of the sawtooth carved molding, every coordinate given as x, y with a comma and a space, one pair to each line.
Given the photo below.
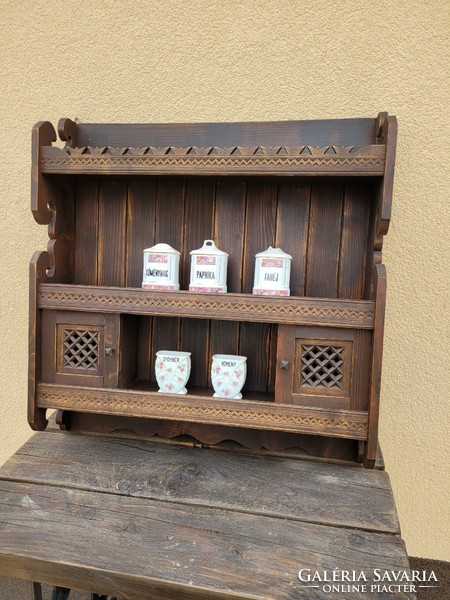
214, 159
200, 409
243, 307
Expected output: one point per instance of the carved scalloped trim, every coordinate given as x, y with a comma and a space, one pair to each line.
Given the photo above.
278, 157
204, 410
246, 307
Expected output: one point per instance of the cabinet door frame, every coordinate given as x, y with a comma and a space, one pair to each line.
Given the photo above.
54, 362
353, 347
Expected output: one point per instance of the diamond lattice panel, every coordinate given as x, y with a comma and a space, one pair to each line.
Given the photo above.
322, 366
80, 350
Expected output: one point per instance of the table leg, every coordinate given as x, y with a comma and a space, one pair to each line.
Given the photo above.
60, 593
36, 591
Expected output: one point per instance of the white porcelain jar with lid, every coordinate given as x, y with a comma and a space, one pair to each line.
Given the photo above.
272, 273
161, 268
208, 269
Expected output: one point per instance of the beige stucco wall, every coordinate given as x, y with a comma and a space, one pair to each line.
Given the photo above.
145, 61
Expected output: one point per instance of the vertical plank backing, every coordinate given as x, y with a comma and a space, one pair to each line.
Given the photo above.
260, 227
169, 230
112, 232
140, 227
199, 211
144, 359
355, 230
229, 221
141, 208
324, 240
86, 238
292, 230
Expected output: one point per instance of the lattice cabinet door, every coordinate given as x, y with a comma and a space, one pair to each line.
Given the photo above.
323, 367
83, 349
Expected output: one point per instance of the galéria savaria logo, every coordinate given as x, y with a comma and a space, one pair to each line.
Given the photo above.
376, 581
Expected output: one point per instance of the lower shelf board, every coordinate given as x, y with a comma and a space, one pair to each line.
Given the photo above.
202, 408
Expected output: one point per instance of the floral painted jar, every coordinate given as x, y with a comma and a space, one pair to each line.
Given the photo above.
161, 268
272, 273
228, 373
172, 370
208, 269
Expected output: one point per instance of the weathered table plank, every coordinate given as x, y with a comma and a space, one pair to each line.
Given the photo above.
156, 521
293, 489
225, 553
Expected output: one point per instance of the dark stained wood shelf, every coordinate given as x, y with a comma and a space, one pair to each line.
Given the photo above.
235, 160
230, 307
319, 190
202, 407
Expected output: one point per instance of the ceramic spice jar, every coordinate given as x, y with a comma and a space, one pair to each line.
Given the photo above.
228, 374
272, 273
172, 370
161, 268
208, 269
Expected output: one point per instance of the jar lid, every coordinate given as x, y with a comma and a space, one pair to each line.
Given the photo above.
210, 249
162, 248
273, 253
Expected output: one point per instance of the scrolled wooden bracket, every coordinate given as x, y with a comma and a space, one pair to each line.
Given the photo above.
39, 265
43, 134
67, 130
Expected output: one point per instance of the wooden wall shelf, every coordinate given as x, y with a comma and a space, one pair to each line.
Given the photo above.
319, 190
357, 314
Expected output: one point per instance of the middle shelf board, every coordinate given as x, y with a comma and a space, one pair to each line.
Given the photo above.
198, 408
293, 310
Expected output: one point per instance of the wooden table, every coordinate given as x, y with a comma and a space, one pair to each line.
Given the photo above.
154, 520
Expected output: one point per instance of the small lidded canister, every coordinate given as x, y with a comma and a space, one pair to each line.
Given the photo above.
161, 268
272, 273
208, 269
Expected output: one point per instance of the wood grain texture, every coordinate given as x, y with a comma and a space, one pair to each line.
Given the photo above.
185, 544
247, 483
288, 445
324, 240
343, 132
199, 406
198, 227
217, 161
141, 215
379, 279
168, 229
86, 240
292, 231
37, 273
234, 307
112, 232
355, 226
160, 521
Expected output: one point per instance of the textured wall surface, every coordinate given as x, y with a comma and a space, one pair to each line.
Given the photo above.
155, 61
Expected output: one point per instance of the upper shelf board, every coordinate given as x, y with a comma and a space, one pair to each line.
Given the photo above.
215, 160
